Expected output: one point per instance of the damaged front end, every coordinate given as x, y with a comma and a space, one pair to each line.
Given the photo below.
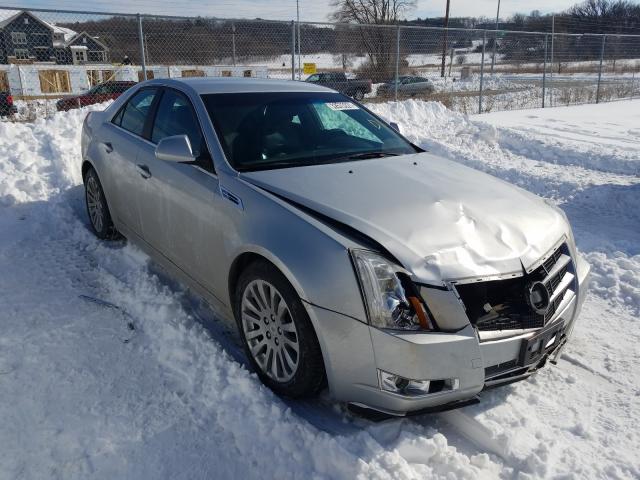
440, 345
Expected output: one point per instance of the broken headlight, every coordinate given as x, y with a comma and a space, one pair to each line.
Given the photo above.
387, 302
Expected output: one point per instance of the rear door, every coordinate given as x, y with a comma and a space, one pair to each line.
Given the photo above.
120, 143
178, 204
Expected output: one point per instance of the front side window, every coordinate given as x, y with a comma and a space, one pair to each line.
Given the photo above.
289, 129
175, 116
314, 78
135, 112
19, 38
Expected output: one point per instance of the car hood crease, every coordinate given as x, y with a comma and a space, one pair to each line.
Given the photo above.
440, 219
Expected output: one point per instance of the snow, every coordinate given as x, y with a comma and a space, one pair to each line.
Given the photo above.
110, 369
582, 137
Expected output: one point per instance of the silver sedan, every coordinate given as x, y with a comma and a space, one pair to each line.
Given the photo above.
347, 256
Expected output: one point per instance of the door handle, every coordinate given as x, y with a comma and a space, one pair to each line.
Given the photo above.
143, 170
108, 147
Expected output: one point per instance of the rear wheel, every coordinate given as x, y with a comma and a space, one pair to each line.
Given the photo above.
97, 208
276, 332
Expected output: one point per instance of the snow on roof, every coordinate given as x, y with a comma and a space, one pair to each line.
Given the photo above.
7, 16
67, 34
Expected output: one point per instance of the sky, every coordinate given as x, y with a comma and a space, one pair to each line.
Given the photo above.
310, 10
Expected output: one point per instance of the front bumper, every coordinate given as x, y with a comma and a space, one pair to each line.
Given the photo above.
355, 353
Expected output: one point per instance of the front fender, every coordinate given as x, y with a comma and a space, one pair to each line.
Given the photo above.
314, 258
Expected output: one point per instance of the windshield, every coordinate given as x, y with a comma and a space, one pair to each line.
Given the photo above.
267, 130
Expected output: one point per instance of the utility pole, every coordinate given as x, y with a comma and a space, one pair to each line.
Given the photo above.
444, 39
495, 38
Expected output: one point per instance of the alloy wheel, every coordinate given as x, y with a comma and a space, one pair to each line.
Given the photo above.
270, 331
94, 203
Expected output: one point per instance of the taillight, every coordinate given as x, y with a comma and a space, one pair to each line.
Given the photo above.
9, 100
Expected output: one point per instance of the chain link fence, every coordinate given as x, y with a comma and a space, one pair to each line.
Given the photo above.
55, 60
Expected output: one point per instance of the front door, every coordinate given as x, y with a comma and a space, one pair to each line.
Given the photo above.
179, 202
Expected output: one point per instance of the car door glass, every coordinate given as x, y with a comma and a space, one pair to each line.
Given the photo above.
135, 112
175, 116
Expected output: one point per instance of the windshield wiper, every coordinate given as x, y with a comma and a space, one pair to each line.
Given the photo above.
297, 163
367, 155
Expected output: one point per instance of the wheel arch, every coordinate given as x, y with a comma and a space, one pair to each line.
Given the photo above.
244, 259
86, 165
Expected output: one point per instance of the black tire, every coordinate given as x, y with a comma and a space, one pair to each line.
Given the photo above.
309, 377
100, 220
358, 95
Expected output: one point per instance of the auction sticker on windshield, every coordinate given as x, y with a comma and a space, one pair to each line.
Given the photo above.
342, 106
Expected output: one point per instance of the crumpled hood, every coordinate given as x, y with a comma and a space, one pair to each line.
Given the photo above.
442, 220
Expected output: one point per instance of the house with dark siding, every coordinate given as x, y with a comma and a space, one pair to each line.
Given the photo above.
25, 38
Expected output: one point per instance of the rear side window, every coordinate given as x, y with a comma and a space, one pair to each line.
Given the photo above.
134, 114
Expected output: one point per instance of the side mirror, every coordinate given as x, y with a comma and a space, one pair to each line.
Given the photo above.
395, 126
175, 149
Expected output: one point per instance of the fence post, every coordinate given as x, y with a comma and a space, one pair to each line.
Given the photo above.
544, 71
484, 41
493, 54
142, 57
293, 50
395, 95
553, 35
233, 41
604, 38
298, 36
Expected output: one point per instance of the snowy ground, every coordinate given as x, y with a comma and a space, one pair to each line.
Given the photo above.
156, 388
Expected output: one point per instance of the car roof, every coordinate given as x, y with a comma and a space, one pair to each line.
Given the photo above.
205, 85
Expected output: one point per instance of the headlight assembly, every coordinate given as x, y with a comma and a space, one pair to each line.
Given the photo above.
386, 299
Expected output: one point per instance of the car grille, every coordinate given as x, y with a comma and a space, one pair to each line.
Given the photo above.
505, 305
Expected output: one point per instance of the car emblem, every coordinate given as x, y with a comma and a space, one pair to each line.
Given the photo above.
538, 297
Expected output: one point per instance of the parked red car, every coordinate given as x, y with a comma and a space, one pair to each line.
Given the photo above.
98, 94
6, 104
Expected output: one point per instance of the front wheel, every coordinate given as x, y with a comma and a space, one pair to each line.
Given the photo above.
276, 332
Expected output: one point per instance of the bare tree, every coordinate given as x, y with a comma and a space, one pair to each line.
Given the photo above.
377, 12
378, 43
